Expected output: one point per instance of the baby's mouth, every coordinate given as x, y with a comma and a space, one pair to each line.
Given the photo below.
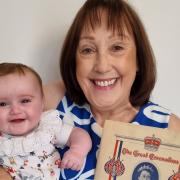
17, 120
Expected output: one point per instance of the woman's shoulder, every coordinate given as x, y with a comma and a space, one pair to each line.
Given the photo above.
53, 93
159, 113
151, 108
174, 123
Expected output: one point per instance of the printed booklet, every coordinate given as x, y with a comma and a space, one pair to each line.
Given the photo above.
134, 152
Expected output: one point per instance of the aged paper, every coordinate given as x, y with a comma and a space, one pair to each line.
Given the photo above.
133, 152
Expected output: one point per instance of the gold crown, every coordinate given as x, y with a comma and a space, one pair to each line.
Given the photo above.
152, 143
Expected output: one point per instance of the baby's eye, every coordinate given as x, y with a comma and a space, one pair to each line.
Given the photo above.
2, 104
26, 101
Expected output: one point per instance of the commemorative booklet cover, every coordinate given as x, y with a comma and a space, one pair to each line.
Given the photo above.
134, 152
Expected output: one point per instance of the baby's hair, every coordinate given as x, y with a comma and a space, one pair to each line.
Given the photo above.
18, 68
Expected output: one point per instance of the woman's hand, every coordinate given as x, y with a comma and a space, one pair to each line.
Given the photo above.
4, 175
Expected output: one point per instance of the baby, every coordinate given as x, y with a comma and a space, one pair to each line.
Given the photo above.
28, 136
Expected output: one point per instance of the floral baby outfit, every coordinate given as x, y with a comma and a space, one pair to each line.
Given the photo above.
34, 156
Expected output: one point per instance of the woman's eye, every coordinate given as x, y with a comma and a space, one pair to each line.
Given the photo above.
2, 104
117, 48
87, 51
25, 101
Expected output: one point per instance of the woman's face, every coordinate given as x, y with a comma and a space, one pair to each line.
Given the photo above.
106, 67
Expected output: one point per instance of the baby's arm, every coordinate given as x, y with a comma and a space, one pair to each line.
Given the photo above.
79, 143
77, 139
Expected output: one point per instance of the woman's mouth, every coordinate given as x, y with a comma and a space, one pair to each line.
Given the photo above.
105, 83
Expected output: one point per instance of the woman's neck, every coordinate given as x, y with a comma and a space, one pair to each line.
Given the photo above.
125, 113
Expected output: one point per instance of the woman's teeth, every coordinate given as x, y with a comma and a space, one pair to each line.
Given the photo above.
105, 83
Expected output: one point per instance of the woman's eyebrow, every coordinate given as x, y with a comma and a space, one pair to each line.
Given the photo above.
86, 37
122, 36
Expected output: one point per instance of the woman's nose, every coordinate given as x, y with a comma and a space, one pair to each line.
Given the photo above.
102, 64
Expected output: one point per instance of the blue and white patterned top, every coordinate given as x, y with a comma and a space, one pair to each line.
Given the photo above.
149, 115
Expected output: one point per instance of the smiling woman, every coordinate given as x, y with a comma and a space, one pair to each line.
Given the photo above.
106, 63
108, 71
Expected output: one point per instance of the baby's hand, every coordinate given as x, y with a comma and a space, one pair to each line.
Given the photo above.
72, 160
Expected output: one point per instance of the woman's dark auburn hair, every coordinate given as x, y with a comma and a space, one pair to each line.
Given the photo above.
120, 16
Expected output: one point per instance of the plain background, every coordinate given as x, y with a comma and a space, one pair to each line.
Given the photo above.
32, 32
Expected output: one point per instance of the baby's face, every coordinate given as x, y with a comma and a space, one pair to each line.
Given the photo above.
21, 103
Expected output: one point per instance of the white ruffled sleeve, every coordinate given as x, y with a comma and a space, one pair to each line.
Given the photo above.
51, 122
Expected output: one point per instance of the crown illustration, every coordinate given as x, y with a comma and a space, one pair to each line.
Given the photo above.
152, 143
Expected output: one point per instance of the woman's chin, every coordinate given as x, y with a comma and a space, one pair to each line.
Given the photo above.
103, 104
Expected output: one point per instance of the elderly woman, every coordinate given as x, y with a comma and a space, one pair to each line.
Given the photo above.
108, 71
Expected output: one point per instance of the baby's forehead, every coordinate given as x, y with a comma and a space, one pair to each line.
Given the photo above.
27, 76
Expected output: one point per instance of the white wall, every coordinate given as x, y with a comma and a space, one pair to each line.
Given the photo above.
161, 19
32, 32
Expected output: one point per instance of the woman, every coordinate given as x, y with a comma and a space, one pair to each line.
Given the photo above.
108, 71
